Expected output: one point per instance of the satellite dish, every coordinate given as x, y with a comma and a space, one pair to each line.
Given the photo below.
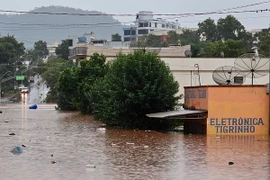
188, 53
228, 75
252, 65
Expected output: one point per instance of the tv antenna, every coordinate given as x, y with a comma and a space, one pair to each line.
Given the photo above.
252, 65
228, 75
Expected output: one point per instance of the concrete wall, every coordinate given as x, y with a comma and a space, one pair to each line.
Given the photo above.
186, 74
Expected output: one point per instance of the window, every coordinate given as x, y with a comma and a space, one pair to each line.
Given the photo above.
150, 24
163, 25
143, 31
133, 32
155, 24
127, 32
145, 24
140, 24
126, 39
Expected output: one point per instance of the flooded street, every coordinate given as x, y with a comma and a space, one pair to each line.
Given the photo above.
68, 146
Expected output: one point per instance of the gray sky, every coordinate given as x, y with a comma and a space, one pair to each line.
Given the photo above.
249, 20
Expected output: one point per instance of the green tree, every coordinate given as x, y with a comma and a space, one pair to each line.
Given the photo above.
40, 49
62, 50
116, 37
66, 88
189, 37
264, 45
51, 74
229, 48
150, 40
90, 71
10, 50
208, 28
136, 84
230, 28
173, 38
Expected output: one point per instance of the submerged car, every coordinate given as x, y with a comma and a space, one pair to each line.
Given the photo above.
24, 89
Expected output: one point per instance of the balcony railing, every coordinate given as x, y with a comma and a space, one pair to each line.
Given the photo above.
78, 51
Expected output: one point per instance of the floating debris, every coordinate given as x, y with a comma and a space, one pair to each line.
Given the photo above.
34, 106
90, 166
145, 146
12, 134
231, 163
53, 162
23, 146
51, 155
6, 121
16, 150
130, 143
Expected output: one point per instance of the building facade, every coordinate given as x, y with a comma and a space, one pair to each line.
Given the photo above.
145, 24
232, 110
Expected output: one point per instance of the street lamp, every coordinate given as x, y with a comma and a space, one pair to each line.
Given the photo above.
1, 84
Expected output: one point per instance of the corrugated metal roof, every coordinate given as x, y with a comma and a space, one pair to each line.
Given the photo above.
177, 113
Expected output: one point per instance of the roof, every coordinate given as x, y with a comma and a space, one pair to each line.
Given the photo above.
178, 113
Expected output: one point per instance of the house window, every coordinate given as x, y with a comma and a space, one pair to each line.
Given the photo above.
126, 39
127, 32
155, 24
143, 31
145, 24
140, 24
163, 25
133, 32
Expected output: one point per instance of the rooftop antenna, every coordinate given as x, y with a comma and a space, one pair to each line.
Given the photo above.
252, 65
228, 75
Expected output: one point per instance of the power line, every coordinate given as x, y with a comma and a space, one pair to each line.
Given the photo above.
238, 7
247, 5
154, 14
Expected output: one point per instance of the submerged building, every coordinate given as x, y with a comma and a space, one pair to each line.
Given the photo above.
228, 110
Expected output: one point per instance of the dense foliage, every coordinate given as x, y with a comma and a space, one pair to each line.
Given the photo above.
62, 50
136, 84
51, 74
75, 84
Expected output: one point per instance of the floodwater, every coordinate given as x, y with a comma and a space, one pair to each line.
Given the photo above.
69, 146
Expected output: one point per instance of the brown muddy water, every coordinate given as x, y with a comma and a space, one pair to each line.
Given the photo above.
68, 146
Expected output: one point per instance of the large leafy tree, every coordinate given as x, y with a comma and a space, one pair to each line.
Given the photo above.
89, 72
136, 84
264, 45
230, 28
66, 88
189, 37
173, 38
40, 49
62, 50
151, 40
51, 74
11, 50
208, 28
229, 48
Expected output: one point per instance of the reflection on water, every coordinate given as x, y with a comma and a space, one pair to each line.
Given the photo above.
74, 141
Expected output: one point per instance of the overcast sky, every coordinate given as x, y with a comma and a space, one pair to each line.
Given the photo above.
249, 20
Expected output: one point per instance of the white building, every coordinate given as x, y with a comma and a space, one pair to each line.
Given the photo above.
145, 24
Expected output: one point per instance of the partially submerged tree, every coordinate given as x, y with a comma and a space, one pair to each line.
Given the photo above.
136, 84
